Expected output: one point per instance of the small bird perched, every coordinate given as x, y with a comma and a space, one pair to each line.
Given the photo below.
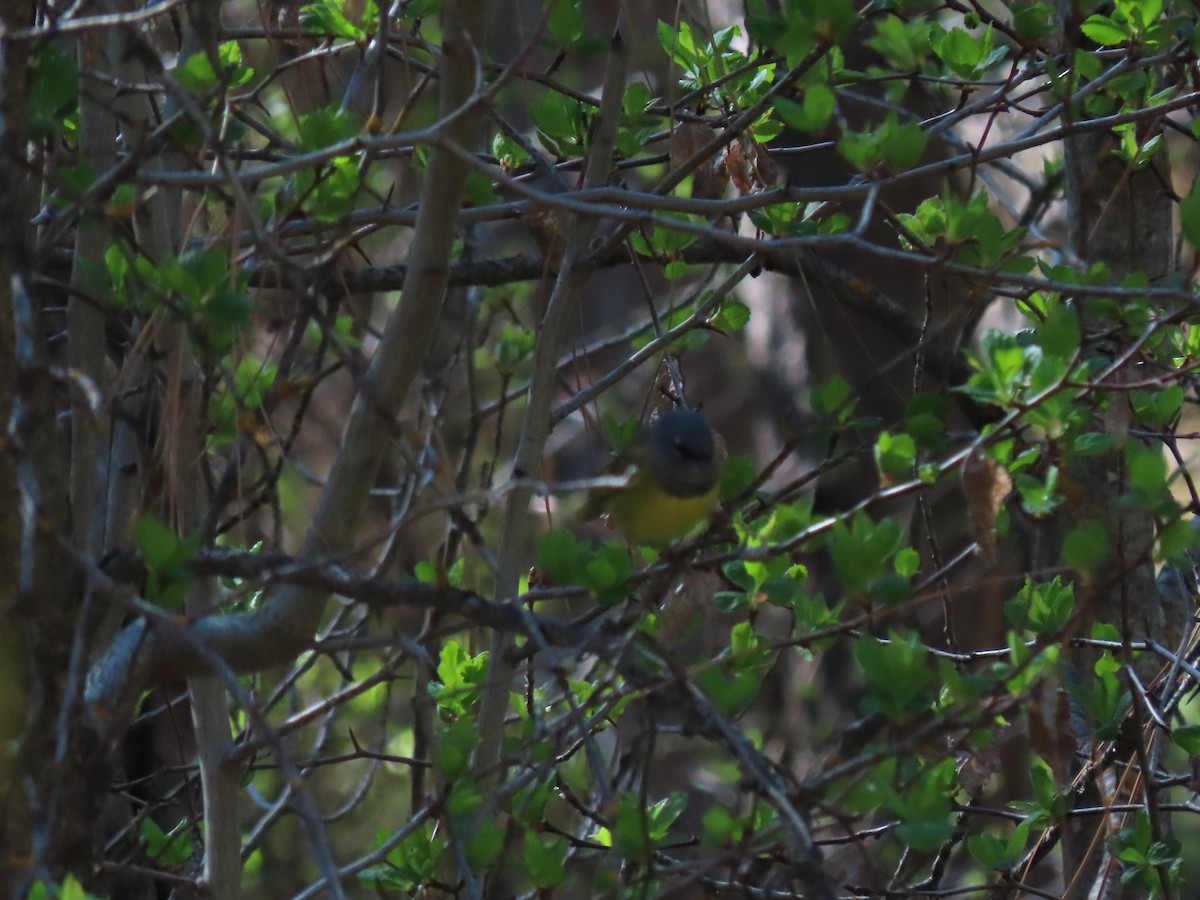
1178, 586
676, 463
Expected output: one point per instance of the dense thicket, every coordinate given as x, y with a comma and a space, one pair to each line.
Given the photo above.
321, 320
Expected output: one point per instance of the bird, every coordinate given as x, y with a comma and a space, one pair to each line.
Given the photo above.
674, 467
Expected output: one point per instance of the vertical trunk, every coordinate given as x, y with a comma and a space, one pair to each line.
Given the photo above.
50, 774
1120, 216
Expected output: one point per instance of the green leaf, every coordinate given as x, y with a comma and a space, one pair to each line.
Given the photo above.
832, 19
989, 851
410, 865
792, 36
565, 21
898, 675
819, 104
639, 829
925, 420
452, 750
461, 679
1166, 852
636, 101
226, 311
1059, 333
740, 574
736, 677
681, 47
166, 557
1041, 779
903, 44
230, 54
1147, 474
420, 9
732, 316
508, 152
513, 346
789, 519
479, 190
1105, 31
783, 590
925, 836
895, 456
996, 854
1039, 496
738, 474
607, 572
663, 240
327, 18
1187, 739
53, 90
1105, 700
483, 849
721, 827
781, 219
558, 555
1085, 545
730, 601
1176, 539
801, 25
1092, 443
1044, 607
966, 55
1189, 215
891, 145
1158, 408
812, 114
330, 193
561, 124
325, 127
196, 75
861, 551
924, 807
813, 611
158, 544
545, 858
832, 397
70, 889
74, 182
168, 850
908, 562
744, 648
1051, 803
1033, 21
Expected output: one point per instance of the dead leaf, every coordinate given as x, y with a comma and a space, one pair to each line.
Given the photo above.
986, 485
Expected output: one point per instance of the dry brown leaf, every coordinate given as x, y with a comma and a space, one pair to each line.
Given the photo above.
986, 485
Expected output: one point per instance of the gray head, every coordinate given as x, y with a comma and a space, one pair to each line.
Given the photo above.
681, 452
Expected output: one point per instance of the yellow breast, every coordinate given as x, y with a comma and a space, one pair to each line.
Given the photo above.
645, 512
